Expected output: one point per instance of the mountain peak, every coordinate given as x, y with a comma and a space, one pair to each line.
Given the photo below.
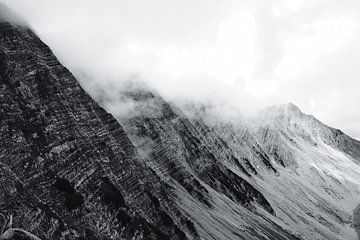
286, 111
291, 107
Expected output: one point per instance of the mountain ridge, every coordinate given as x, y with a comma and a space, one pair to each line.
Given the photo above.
71, 170
279, 152
289, 115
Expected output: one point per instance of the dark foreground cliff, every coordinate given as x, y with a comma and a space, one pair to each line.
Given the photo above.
69, 170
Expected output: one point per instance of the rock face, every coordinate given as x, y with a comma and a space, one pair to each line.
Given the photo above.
67, 168
70, 170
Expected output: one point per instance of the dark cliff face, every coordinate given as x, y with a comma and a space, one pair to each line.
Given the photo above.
67, 168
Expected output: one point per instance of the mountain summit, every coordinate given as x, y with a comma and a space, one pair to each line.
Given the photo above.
70, 170
289, 119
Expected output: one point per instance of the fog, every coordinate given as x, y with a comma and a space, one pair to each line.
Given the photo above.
243, 54
9, 15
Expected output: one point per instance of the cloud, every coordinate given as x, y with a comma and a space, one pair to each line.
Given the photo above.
247, 54
9, 15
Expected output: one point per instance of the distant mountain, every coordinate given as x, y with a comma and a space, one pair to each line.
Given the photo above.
70, 170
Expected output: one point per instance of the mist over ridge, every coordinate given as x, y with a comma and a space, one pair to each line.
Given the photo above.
246, 55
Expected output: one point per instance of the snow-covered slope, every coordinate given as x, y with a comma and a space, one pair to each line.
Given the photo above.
317, 188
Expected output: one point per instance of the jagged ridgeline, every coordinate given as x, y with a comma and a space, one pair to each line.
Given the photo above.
70, 170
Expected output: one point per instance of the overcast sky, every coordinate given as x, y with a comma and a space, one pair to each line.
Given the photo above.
246, 53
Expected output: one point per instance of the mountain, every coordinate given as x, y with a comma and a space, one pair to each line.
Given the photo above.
68, 169
71, 170
307, 171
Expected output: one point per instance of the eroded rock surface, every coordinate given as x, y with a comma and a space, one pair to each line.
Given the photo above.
67, 168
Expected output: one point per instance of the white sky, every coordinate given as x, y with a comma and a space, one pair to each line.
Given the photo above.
246, 53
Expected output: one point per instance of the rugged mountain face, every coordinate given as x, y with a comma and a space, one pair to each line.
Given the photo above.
67, 168
307, 172
70, 170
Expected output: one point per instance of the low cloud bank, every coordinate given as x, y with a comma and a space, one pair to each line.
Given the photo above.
240, 54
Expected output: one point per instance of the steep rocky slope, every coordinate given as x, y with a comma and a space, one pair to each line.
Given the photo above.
69, 170
307, 172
